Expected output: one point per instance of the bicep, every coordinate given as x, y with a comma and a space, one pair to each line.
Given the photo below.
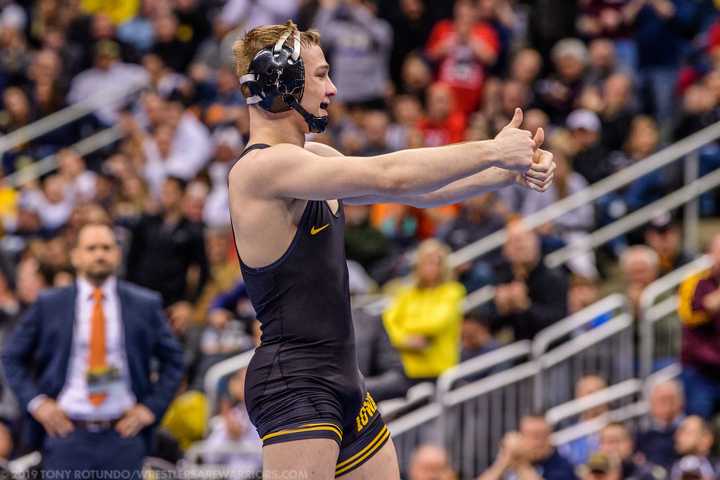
287, 171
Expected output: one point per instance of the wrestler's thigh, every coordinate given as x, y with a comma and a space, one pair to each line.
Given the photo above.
384, 464
313, 458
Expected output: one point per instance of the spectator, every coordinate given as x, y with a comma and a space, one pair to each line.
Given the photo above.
699, 310
590, 158
423, 322
233, 441
602, 62
251, 14
165, 247
522, 300
526, 67
670, 20
476, 337
106, 75
90, 394
617, 112
364, 243
663, 235
222, 337
477, 219
430, 462
600, 467
693, 467
574, 226
557, 94
444, 122
464, 48
411, 25
224, 271
693, 444
529, 455
378, 361
617, 443
360, 44
640, 267
79, 182
643, 141
186, 419
656, 443
578, 451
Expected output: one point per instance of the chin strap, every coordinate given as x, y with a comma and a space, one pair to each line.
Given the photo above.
316, 124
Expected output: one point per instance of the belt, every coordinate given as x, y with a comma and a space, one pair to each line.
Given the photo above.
95, 425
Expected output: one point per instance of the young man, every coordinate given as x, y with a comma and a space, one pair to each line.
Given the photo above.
304, 392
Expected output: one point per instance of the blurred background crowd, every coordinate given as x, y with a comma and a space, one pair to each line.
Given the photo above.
610, 81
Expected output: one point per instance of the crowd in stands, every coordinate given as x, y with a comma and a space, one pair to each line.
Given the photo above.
610, 81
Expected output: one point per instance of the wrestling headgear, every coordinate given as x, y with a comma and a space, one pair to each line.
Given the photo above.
276, 80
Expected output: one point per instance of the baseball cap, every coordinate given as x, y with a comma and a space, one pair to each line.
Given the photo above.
583, 120
661, 223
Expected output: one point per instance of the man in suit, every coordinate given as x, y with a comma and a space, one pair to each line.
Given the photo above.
79, 363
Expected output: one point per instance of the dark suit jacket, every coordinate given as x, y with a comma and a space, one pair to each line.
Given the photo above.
37, 354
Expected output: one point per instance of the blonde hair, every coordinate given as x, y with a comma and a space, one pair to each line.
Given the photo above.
434, 246
245, 48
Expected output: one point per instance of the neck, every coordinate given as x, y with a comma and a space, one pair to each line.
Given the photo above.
95, 281
272, 132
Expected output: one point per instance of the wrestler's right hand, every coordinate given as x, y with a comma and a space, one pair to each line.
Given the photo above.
515, 147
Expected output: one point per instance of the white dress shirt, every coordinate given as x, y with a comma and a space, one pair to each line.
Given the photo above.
73, 398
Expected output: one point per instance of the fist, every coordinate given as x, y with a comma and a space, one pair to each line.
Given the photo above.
541, 172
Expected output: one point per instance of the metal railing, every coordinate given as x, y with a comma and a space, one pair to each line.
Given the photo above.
651, 312
482, 365
219, 371
664, 157
414, 429
475, 417
607, 350
68, 115
46, 165
627, 391
640, 217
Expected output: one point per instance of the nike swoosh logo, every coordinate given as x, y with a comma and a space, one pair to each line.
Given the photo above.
316, 230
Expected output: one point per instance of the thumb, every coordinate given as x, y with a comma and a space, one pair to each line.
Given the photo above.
516, 120
539, 137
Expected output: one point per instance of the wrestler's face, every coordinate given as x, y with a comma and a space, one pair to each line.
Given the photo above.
319, 89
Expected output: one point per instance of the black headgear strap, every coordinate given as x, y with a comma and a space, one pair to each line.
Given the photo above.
276, 81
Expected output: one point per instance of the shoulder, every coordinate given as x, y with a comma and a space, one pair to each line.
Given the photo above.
259, 160
322, 149
139, 294
453, 289
53, 295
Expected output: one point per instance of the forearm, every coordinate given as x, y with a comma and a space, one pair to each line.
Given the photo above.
425, 170
495, 472
488, 180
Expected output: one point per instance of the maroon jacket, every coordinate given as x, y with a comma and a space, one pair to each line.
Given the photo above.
701, 330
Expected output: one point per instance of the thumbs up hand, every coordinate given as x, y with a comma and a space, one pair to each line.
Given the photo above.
516, 147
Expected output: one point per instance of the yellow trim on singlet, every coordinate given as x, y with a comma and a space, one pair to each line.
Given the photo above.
353, 461
310, 427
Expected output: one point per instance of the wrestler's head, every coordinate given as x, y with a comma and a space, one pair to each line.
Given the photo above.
318, 87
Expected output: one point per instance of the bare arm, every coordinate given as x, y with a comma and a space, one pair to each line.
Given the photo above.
288, 171
539, 178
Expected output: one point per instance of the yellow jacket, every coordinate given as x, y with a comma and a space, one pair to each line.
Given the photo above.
434, 313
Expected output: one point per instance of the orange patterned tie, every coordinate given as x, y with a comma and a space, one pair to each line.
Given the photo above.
97, 360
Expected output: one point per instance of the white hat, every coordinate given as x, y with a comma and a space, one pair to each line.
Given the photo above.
583, 119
